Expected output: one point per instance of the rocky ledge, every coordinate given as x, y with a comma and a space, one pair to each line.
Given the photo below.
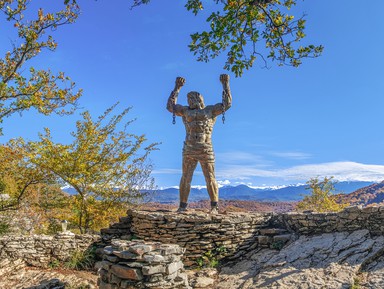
319, 250
338, 260
286, 251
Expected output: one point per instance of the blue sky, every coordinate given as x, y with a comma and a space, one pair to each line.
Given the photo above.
286, 124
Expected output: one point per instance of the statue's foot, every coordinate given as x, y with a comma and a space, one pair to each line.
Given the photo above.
182, 207
214, 210
214, 207
181, 210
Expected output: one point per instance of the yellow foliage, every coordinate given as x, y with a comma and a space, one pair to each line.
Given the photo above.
321, 198
18, 177
106, 167
40, 89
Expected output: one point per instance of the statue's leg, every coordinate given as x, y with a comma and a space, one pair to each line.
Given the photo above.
189, 166
213, 190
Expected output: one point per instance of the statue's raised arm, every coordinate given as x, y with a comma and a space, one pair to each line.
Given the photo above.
226, 102
172, 107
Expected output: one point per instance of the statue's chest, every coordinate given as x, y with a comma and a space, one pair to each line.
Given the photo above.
200, 115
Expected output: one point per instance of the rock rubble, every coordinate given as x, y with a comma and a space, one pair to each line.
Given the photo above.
139, 264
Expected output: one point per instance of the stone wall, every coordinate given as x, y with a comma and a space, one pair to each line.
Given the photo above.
223, 235
349, 220
237, 233
41, 250
197, 232
139, 264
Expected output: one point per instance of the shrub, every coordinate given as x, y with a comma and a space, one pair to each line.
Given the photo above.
322, 198
210, 259
4, 228
278, 245
82, 260
53, 264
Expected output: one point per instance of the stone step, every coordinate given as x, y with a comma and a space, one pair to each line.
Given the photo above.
273, 241
282, 238
272, 231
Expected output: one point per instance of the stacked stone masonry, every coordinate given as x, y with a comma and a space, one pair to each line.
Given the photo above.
139, 264
197, 232
238, 233
41, 250
349, 220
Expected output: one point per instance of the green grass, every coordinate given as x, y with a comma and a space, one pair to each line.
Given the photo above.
81, 260
210, 259
356, 283
4, 228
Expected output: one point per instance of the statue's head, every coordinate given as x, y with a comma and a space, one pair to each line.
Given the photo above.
195, 100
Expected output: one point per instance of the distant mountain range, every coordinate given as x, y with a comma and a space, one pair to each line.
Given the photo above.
372, 194
354, 193
243, 192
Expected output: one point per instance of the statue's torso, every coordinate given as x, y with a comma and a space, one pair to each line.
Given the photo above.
198, 126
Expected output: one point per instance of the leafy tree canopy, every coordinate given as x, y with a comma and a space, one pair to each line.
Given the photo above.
106, 166
247, 30
18, 177
250, 29
21, 86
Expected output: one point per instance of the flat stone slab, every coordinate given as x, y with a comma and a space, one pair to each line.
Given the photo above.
332, 261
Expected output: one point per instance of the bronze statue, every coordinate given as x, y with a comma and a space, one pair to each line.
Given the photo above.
199, 120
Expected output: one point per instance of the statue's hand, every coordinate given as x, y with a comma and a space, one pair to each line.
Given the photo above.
224, 78
179, 82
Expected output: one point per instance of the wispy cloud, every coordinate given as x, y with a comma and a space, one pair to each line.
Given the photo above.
243, 172
292, 155
166, 171
223, 183
342, 171
239, 157
234, 174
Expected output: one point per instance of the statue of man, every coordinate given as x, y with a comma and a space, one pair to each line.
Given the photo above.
199, 121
